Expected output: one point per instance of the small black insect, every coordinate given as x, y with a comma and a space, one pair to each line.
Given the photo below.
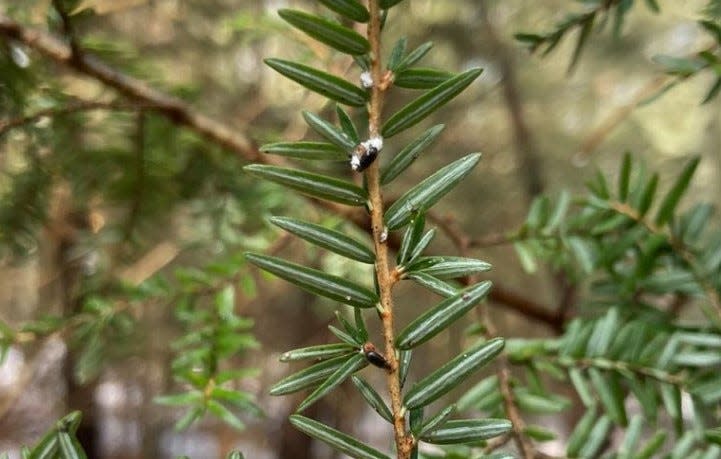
365, 153
374, 357
360, 161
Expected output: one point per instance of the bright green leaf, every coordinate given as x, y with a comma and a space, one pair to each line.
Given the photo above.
336, 439
46, 448
433, 284
436, 421
411, 237
425, 194
409, 153
646, 197
350, 366
581, 385
346, 124
422, 245
481, 390
452, 373
535, 403
539, 433
421, 78
372, 398
467, 430
429, 102
330, 132
448, 267
581, 432
316, 185
414, 56
396, 54
701, 359
653, 445
315, 281
526, 256
320, 352
610, 393
333, 240
348, 8
596, 437
670, 201
308, 377
344, 336
630, 440
189, 417
69, 448
325, 31
224, 414
323, 151
321, 82
438, 318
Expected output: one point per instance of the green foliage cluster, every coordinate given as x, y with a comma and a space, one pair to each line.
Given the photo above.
639, 261
141, 171
59, 442
596, 14
214, 335
337, 362
646, 376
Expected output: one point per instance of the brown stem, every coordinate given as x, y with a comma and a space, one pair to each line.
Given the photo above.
503, 372
404, 443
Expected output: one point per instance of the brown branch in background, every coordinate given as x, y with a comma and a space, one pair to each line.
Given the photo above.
72, 107
184, 115
525, 148
450, 227
68, 28
139, 188
526, 151
594, 139
175, 109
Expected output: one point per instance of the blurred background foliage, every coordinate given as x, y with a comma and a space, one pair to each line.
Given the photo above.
122, 217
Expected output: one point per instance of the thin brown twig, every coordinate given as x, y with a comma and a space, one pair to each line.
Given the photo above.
526, 149
499, 294
498, 442
596, 137
524, 146
404, 442
175, 109
524, 444
503, 373
72, 107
